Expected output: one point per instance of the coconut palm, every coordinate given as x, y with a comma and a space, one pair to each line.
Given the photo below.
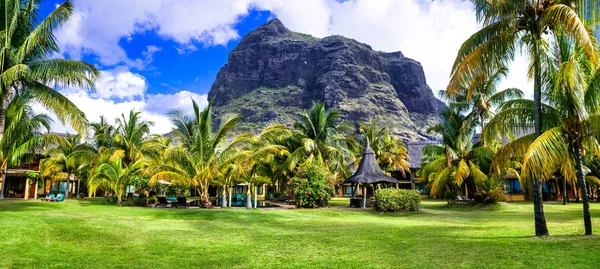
67, 157
510, 24
320, 137
571, 121
480, 96
132, 135
391, 154
113, 174
26, 134
196, 162
457, 162
27, 42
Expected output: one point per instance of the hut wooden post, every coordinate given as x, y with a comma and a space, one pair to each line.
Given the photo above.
364, 196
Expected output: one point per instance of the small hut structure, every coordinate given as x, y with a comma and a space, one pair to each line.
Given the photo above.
368, 172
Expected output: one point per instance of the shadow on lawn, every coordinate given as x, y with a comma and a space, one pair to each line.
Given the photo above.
26, 205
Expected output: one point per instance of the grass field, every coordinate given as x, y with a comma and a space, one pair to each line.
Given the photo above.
92, 234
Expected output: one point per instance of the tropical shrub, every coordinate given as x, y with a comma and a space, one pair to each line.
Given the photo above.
312, 186
491, 191
390, 200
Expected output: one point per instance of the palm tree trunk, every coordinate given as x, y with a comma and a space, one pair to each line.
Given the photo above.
230, 191
448, 156
224, 198
3, 113
67, 187
541, 228
481, 133
565, 194
3, 183
255, 196
587, 218
78, 184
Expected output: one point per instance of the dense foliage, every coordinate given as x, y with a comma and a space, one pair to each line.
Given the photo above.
312, 186
390, 200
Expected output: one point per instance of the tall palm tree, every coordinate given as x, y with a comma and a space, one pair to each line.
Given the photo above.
67, 157
457, 162
27, 42
509, 24
26, 134
391, 154
196, 162
571, 121
320, 136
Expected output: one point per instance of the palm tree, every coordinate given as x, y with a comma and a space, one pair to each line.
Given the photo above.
27, 42
113, 174
571, 121
133, 136
196, 162
391, 154
481, 96
68, 156
456, 162
26, 134
320, 136
509, 24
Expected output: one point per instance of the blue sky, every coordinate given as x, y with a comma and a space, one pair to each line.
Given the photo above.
157, 54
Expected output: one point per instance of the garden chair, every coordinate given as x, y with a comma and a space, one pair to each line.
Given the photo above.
59, 198
459, 199
162, 202
181, 202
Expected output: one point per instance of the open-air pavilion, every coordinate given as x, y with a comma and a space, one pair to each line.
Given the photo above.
368, 173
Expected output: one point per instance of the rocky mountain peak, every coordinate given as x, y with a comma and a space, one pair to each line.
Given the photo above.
274, 72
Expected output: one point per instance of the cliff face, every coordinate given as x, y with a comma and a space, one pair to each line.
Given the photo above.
274, 73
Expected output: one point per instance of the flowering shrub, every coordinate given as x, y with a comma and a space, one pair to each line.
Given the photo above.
312, 186
389, 200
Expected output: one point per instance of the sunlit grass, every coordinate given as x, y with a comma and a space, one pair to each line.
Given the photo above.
92, 234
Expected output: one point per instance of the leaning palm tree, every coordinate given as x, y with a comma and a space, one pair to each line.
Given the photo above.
510, 24
320, 137
196, 162
571, 121
27, 42
26, 134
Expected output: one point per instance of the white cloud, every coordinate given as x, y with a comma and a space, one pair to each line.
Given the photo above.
120, 84
126, 85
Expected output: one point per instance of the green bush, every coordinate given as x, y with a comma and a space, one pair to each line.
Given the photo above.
312, 186
390, 200
491, 191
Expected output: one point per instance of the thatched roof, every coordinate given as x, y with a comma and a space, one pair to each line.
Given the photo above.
415, 151
368, 170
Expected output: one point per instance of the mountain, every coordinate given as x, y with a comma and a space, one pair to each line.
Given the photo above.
274, 73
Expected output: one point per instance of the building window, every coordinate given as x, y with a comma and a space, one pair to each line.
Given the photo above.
421, 188
259, 190
347, 190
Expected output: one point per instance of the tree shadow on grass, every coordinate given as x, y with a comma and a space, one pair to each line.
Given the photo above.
26, 205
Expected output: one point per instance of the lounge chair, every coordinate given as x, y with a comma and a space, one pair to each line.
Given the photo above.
181, 202
59, 198
162, 202
48, 198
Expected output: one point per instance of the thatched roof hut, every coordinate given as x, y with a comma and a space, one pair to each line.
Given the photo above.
369, 171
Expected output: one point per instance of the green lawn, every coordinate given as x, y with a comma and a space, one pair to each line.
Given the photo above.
90, 233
